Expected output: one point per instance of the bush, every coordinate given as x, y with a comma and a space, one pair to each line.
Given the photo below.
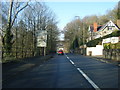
118, 45
106, 45
111, 46
95, 42
98, 41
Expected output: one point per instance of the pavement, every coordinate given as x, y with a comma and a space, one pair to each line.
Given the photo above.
14, 68
102, 59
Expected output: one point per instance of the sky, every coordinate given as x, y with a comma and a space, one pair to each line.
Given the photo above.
66, 11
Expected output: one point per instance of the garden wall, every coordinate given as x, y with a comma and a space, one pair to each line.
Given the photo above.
113, 54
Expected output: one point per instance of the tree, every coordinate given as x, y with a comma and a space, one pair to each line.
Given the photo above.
23, 23
73, 33
41, 19
11, 18
118, 12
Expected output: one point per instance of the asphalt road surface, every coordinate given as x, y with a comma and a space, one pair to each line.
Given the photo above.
68, 71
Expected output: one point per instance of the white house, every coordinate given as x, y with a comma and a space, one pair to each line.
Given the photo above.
97, 31
106, 29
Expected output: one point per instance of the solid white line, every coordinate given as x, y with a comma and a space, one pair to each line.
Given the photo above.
72, 62
88, 79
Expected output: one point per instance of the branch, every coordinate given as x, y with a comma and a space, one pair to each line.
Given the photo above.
18, 12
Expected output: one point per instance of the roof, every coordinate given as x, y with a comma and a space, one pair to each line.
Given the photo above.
117, 26
91, 28
102, 27
98, 28
109, 23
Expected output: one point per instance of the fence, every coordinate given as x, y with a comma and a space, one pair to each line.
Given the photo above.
113, 54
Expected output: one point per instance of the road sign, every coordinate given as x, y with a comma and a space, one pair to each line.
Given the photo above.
42, 38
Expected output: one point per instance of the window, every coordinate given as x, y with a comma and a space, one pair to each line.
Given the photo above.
109, 28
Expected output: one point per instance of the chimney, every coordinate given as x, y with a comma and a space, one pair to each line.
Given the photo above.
118, 23
95, 27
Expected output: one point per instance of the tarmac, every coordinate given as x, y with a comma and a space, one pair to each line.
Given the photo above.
12, 69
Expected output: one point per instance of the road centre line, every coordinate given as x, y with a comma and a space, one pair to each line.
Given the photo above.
68, 58
72, 62
88, 79
85, 76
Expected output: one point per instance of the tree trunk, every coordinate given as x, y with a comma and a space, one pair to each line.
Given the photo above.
8, 35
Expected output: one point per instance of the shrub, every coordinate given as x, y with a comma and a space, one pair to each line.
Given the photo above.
98, 41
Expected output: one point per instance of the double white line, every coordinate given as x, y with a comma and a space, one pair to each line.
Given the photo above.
84, 75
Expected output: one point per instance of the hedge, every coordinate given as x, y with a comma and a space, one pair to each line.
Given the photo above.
111, 46
98, 41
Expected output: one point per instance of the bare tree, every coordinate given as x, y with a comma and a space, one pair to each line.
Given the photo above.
11, 18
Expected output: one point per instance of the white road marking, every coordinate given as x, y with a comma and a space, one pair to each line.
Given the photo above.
72, 62
74, 65
68, 57
88, 79
85, 76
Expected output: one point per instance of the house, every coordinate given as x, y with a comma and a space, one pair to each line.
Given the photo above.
97, 31
92, 31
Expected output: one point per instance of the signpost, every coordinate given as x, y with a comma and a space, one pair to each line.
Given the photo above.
42, 40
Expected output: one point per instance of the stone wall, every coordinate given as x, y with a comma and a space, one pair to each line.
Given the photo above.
113, 54
0, 49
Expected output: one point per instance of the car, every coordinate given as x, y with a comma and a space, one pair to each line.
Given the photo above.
60, 52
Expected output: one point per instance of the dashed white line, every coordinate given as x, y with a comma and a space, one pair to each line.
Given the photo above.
68, 58
88, 79
74, 65
72, 62
85, 76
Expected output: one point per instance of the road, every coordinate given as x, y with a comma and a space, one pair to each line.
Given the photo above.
68, 71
